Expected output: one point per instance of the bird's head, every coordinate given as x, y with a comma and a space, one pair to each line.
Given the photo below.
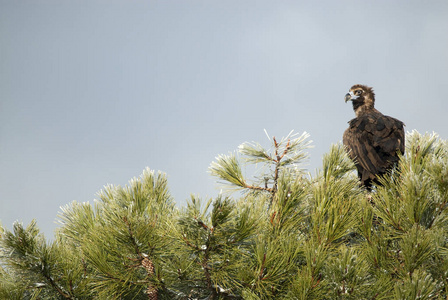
361, 96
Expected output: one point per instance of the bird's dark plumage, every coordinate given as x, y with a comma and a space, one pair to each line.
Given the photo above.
373, 140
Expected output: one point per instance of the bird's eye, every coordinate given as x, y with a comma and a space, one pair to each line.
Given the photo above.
358, 92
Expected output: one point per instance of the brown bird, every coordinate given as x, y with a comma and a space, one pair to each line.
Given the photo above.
373, 140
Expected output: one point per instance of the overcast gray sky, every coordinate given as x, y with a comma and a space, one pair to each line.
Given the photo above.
92, 92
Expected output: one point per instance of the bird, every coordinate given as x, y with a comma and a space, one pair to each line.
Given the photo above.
374, 141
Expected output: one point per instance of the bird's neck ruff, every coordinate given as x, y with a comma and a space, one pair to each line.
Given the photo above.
362, 108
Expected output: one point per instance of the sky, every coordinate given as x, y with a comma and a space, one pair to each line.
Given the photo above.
93, 92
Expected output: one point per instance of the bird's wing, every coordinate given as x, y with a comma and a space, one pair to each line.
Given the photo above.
361, 150
387, 135
373, 141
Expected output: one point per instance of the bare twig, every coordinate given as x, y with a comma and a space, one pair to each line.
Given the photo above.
55, 286
258, 188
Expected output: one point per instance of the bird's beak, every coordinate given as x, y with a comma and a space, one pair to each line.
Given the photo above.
348, 97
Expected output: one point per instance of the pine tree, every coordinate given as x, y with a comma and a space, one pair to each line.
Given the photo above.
279, 234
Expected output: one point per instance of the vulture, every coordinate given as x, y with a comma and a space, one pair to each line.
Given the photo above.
373, 140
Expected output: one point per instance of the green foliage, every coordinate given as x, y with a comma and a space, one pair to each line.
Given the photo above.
228, 169
289, 235
215, 241
47, 269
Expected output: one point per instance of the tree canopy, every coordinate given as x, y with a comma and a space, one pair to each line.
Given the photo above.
281, 233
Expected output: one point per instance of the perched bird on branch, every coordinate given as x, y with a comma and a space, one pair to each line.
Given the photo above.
373, 140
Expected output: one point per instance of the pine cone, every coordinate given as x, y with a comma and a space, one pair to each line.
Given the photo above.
149, 266
152, 293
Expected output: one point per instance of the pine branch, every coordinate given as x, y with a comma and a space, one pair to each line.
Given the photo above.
145, 262
228, 169
277, 166
56, 287
259, 188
